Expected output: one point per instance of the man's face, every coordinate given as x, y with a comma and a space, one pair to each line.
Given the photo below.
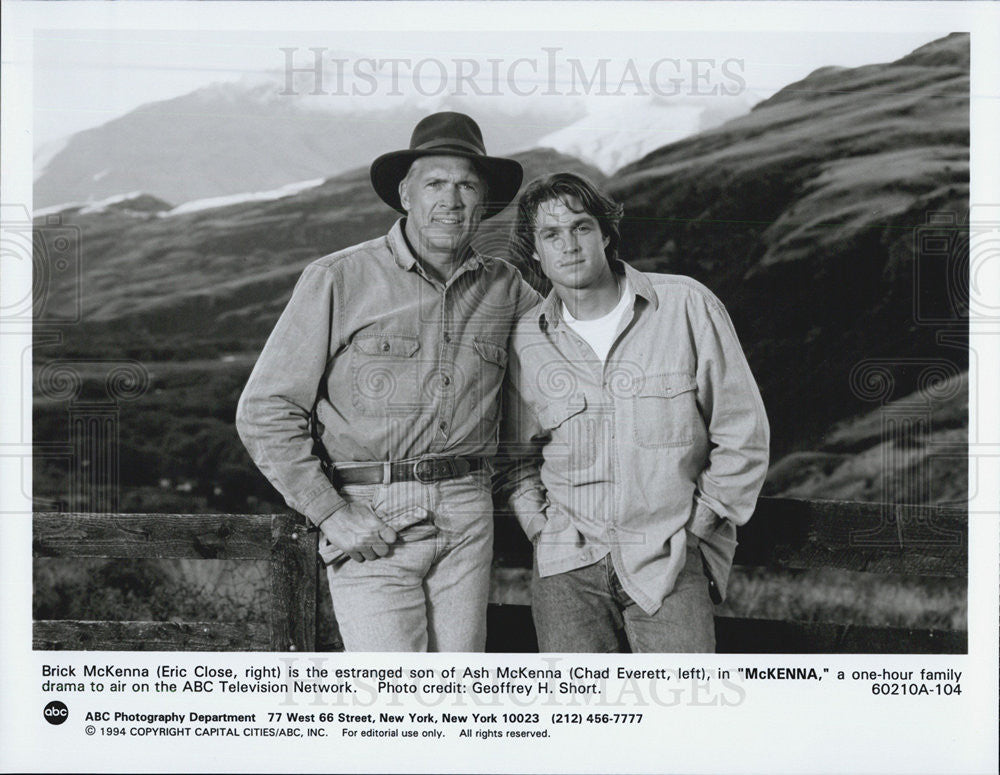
569, 244
443, 198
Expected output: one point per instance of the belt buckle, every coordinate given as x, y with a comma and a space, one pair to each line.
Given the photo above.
436, 474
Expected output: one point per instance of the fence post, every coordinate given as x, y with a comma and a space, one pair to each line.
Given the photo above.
293, 585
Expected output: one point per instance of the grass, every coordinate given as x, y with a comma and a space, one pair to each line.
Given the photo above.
237, 591
844, 597
819, 595
150, 590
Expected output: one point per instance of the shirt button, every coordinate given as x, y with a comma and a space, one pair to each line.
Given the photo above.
446, 380
446, 337
443, 425
385, 347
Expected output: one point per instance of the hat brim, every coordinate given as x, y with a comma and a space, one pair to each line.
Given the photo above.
503, 176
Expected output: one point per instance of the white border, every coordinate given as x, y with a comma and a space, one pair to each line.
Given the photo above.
783, 729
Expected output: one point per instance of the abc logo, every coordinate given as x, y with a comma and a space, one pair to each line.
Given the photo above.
56, 712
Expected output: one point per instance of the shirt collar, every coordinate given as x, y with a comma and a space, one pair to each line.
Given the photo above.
641, 284
399, 246
550, 311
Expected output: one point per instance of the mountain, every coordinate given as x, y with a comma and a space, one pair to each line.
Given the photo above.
912, 450
611, 137
135, 202
228, 138
829, 220
208, 272
807, 218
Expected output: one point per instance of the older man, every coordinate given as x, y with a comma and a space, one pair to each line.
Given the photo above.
373, 406
632, 391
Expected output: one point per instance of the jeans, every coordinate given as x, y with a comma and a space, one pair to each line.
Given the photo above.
430, 592
587, 610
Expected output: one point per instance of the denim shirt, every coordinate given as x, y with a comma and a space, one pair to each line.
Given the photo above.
378, 361
666, 440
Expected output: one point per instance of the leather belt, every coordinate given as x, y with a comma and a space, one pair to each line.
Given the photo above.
425, 470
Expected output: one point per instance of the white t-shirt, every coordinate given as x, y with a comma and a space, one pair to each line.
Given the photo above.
600, 332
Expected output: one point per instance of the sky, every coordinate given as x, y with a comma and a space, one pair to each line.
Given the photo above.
84, 78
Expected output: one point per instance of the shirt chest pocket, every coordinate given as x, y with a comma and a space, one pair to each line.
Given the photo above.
490, 363
386, 374
491, 353
575, 433
665, 411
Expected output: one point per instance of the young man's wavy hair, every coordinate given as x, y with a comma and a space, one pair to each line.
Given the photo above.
559, 187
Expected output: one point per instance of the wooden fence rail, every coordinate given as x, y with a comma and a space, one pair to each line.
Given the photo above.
281, 539
784, 533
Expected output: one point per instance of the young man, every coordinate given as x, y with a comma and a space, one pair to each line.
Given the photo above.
373, 406
636, 439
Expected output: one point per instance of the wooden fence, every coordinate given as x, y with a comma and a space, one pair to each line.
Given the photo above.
784, 533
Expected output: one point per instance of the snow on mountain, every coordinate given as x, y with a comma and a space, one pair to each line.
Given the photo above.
234, 137
105, 204
62, 207
118, 201
138, 201
234, 199
257, 134
612, 136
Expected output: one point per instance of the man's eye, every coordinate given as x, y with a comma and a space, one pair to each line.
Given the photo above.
583, 228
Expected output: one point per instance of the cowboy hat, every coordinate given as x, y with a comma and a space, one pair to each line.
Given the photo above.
448, 134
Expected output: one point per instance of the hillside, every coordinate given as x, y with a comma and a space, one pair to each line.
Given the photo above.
804, 217
228, 138
911, 450
247, 135
226, 272
620, 133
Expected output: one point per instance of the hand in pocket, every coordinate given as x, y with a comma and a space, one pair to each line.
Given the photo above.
358, 532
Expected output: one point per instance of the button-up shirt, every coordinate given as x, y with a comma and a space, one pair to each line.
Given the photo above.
376, 360
665, 440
